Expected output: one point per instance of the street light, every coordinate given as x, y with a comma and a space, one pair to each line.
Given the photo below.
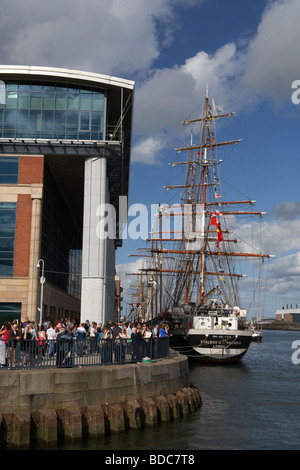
155, 285
42, 281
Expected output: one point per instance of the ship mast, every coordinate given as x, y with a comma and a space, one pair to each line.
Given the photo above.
194, 262
202, 262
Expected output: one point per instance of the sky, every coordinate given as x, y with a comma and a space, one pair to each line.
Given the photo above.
248, 54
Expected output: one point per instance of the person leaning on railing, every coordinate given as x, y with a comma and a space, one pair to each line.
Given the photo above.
124, 334
4, 330
81, 336
29, 345
93, 337
136, 337
51, 337
106, 346
42, 342
4, 336
147, 335
64, 341
14, 338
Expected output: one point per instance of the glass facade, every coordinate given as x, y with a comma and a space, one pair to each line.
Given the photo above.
75, 270
52, 112
61, 240
7, 237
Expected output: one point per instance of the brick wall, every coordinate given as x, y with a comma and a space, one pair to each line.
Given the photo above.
287, 317
22, 235
30, 172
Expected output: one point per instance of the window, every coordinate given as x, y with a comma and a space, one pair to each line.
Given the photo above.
7, 237
77, 113
9, 170
36, 100
85, 121
9, 311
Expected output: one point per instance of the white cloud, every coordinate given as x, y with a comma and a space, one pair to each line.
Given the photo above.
169, 95
238, 79
284, 279
132, 267
279, 236
147, 151
124, 270
107, 36
286, 211
125, 38
274, 237
272, 61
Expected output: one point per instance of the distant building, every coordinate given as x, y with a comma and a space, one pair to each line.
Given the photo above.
288, 315
64, 150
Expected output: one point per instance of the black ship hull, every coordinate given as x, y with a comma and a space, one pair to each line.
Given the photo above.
211, 346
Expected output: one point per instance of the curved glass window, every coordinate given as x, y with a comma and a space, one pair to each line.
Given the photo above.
52, 112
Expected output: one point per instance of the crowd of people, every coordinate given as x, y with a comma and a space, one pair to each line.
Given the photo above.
90, 338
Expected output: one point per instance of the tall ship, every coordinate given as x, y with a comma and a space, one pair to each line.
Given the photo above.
194, 259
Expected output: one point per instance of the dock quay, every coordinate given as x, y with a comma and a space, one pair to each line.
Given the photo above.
47, 405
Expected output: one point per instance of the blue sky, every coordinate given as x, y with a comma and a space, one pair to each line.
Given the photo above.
266, 164
246, 51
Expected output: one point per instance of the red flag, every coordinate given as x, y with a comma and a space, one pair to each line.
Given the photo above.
220, 234
215, 221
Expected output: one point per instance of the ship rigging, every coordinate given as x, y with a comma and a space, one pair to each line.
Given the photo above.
192, 251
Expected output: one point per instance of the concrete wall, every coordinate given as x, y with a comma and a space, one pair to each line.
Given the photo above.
92, 399
98, 252
33, 390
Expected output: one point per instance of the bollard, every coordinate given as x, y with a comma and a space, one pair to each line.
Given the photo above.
93, 423
115, 417
163, 408
132, 411
44, 424
69, 423
16, 427
149, 411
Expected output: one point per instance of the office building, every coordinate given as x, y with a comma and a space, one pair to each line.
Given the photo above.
65, 140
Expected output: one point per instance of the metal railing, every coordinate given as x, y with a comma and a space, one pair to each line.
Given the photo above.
36, 354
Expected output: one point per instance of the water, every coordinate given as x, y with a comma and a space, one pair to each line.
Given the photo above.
254, 405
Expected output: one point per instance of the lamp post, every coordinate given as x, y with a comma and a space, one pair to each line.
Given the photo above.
42, 281
152, 283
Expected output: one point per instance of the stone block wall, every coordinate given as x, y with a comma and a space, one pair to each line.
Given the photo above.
46, 404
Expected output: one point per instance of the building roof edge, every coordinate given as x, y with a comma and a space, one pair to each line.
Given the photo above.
66, 73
